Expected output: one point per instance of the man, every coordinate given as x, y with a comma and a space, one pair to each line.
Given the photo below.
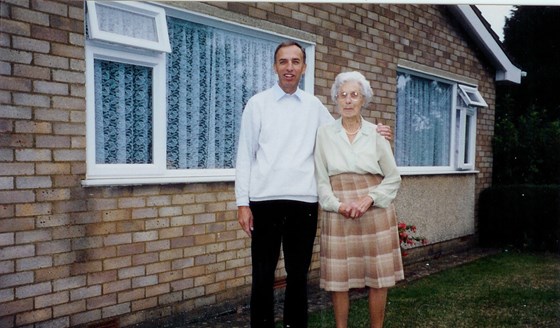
276, 189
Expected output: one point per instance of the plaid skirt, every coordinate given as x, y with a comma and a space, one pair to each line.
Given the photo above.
360, 252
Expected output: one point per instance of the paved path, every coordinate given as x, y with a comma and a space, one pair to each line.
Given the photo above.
318, 299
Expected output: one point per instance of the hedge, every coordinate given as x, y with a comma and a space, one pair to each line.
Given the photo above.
523, 216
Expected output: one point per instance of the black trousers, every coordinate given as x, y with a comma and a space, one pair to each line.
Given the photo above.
293, 225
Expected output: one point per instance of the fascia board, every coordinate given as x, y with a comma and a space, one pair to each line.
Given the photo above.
505, 69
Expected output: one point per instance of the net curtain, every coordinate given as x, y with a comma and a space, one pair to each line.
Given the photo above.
211, 73
123, 107
112, 19
423, 122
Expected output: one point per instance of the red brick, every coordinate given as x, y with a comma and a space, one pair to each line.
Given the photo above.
144, 281
116, 286
85, 293
15, 252
170, 276
182, 284
16, 307
69, 283
51, 61
157, 290
69, 308
102, 277
132, 295
7, 321
30, 16
48, 274
85, 317
101, 301
116, 310
68, 51
16, 84
33, 263
33, 316
67, 24
86, 268
157, 245
145, 258
8, 211
52, 168
51, 7
51, 299
158, 267
144, 304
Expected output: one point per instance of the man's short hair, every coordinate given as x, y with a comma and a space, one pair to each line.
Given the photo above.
288, 44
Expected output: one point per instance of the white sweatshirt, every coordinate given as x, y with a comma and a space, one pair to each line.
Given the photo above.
276, 144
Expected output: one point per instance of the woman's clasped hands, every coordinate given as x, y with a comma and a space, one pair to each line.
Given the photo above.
355, 209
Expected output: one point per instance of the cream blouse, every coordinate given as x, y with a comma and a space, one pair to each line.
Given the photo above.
370, 153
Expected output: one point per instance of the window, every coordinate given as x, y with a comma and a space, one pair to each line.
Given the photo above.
155, 116
471, 96
465, 129
130, 23
436, 128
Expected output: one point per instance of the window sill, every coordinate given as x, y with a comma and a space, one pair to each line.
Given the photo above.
105, 182
436, 172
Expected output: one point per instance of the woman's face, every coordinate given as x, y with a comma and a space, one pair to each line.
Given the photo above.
350, 99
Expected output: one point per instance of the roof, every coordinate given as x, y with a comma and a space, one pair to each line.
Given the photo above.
479, 29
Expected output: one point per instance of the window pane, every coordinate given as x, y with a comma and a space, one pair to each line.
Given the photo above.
423, 121
468, 137
123, 111
211, 73
126, 23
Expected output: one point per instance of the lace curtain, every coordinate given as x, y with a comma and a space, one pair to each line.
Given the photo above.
211, 73
127, 23
423, 129
123, 111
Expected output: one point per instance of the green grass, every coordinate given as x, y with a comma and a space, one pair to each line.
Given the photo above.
507, 290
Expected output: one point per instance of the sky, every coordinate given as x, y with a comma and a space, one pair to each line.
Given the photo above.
496, 16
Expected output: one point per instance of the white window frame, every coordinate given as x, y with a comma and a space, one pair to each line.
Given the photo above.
458, 128
137, 8
471, 96
157, 172
464, 149
159, 96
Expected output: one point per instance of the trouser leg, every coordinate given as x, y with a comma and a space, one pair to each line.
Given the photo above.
265, 250
300, 230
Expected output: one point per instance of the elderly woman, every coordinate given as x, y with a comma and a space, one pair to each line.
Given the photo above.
357, 181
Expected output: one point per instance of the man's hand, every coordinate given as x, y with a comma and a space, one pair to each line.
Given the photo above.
385, 131
245, 218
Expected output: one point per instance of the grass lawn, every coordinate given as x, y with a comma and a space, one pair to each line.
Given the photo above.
510, 289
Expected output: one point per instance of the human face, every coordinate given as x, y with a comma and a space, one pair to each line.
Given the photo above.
350, 99
289, 66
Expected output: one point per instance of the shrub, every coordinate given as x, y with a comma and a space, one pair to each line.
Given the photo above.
523, 216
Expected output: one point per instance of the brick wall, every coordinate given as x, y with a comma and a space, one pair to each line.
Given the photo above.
70, 256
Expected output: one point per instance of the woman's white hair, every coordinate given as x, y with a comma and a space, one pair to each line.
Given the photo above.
344, 77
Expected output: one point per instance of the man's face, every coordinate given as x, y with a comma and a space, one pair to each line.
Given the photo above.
290, 67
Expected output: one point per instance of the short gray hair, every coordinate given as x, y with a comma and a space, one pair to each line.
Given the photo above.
344, 77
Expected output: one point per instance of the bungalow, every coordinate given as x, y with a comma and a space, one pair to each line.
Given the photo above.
119, 125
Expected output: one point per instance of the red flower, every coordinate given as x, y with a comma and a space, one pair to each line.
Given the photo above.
406, 238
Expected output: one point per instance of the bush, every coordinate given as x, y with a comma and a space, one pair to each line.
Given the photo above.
526, 148
523, 216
